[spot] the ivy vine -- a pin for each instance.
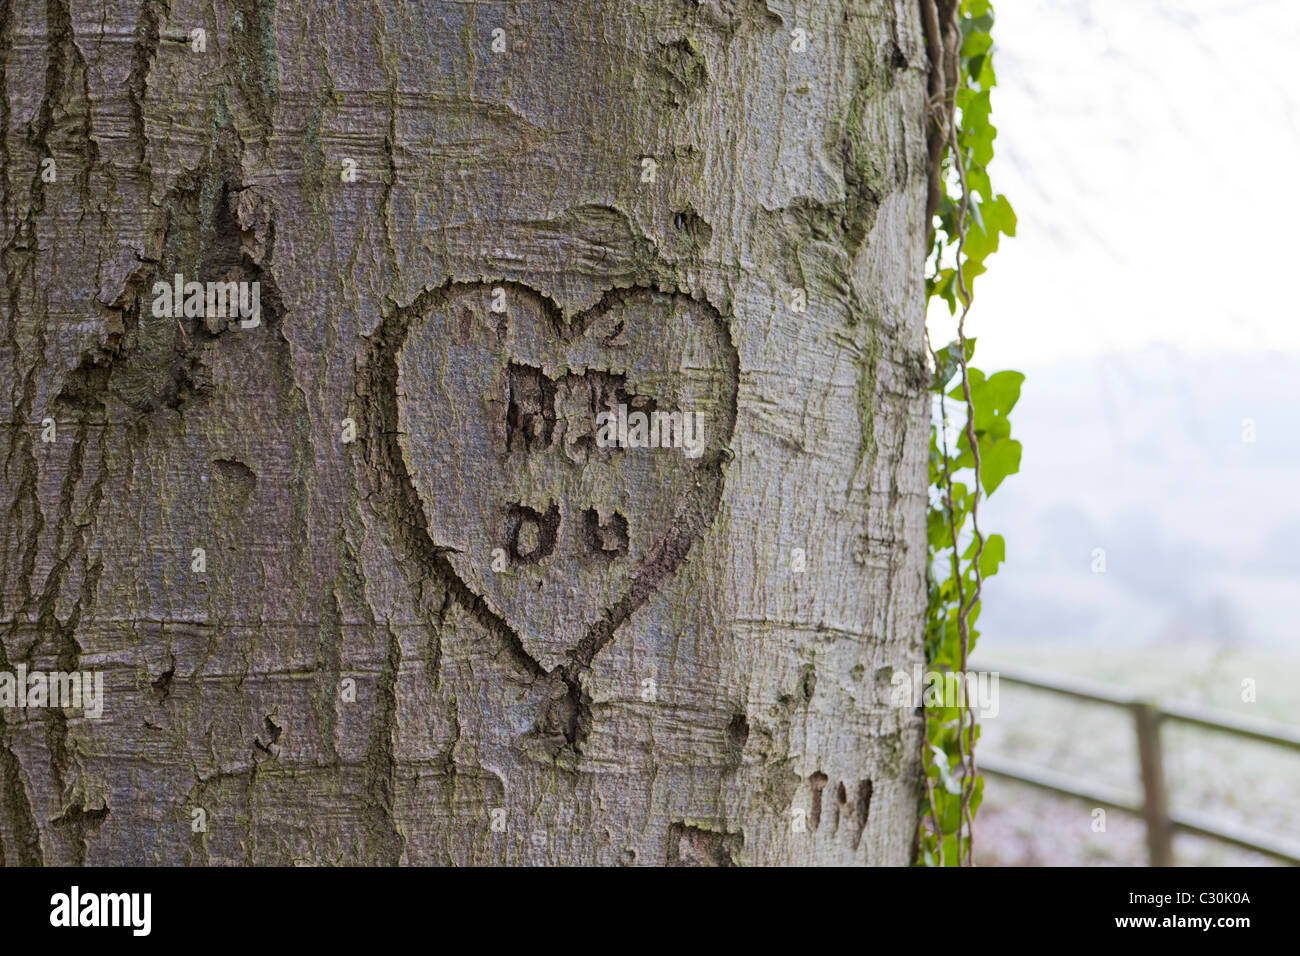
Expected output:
(967, 220)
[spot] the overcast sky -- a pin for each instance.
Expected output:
(1151, 150)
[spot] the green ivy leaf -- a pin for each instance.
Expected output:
(995, 552)
(998, 460)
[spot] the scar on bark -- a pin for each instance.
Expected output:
(80, 823)
(226, 231)
(688, 524)
(817, 782)
(736, 737)
(690, 845)
(378, 415)
(162, 687)
(273, 733)
(682, 72)
(533, 423)
(857, 813)
(531, 533)
(605, 539)
(864, 811)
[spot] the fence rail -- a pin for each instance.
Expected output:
(1161, 822)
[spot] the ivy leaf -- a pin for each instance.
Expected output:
(999, 215)
(936, 528)
(995, 552)
(976, 43)
(1002, 391)
(998, 460)
(950, 362)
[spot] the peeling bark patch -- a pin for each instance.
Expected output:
(730, 16)
(499, 397)
(81, 822)
(683, 71)
(779, 785)
(691, 235)
(695, 846)
(235, 478)
(563, 721)
(24, 847)
(213, 229)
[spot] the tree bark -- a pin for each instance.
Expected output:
(434, 622)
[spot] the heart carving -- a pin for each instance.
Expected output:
(523, 437)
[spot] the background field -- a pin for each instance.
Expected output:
(1243, 782)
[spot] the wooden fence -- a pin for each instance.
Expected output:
(1161, 822)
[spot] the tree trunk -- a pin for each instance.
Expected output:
(362, 580)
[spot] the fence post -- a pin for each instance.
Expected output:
(1155, 802)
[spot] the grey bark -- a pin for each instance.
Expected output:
(651, 678)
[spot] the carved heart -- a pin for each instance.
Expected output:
(497, 400)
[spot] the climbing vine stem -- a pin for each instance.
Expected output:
(966, 221)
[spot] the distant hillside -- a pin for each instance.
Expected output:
(1142, 454)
